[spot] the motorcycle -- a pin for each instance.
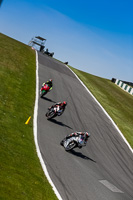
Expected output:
(53, 112)
(44, 90)
(73, 142)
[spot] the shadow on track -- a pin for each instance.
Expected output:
(78, 154)
(47, 99)
(59, 123)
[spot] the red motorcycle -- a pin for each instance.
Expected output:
(44, 90)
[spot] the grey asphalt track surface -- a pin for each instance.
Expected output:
(103, 170)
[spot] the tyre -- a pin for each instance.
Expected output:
(50, 114)
(71, 146)
(62, 142)
(42, 93)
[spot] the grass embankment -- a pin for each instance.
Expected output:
(118, 103)
(21, 175)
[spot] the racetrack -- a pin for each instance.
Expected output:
(104, 168)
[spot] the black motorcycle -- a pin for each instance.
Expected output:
(53, 112)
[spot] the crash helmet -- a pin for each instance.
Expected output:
(87, 135)
(64, 103)
(50, 80)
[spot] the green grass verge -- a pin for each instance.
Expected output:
(21, 175)
(117, 103)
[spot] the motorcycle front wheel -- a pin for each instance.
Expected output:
(50, 114)
(42, 93)
(71, 146)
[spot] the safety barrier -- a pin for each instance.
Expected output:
(124, 86)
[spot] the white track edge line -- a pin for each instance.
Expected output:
(104, 111)
(35, 134)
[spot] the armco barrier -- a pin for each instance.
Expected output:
(124, 86)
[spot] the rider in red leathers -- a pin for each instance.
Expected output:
(49, 83)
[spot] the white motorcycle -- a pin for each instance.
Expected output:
(73, 142)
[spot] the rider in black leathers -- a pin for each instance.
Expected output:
(60, 107)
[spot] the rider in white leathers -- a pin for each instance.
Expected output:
(80, 137)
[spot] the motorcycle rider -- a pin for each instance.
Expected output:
(85, 136)
(60, 107)
(49, 83)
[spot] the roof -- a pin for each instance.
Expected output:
(40, 38)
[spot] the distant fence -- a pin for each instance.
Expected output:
(123, 85)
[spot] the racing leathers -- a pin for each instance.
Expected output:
(49, 83)
(83, 138)
(59, 108)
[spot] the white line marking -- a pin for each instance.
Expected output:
(35, 134)
(104, 111)
(110, 186)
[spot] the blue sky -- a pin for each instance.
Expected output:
(93, 36)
